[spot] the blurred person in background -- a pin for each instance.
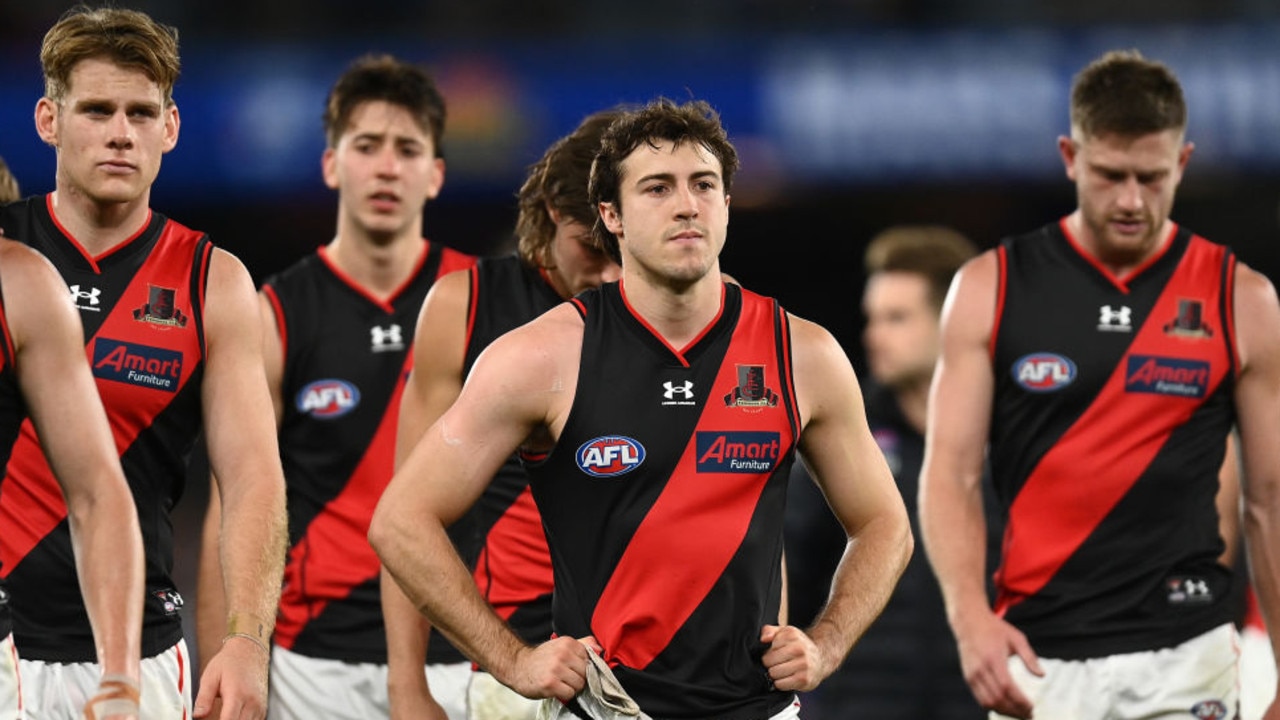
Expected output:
(173, 338)
(9, 190)
(906, 665)
(557, 257)
(1105, 359)
(336, 363)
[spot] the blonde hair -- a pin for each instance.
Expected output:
(128, 38)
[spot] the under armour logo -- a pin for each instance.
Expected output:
(386, 339)
(1115, 319)
(85, 299)
(1196, 587)
(1183, 590)
(685, 390)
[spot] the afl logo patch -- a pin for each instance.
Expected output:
(610, 456)
(328, 399)
(1044, 372)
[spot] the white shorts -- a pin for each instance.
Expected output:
(58, 691)
(11, 688)
(1200, 677)
(488, 699)
(1257, 673)
(306, 688)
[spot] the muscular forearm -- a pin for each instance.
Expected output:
(953, 526)
(251, 546)
(423, 561)
(407, 637)
(109, 564)
(873, 561)
(1262, 528)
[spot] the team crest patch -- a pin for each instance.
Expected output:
(751, 390)
(1190, 321)
(160, 308)
(610, 456)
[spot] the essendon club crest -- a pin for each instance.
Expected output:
(751, 391)
(160, 308)
(1190, 321)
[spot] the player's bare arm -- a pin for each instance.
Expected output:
(523, 382)
(432, 387)
(845, 461)
(211, 605)
(951, 514)
(1257, 397)
(243, 455)
(59, 391)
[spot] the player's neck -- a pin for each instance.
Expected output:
(381, 268)
(913, 403)
(679, 315)
(98, 226)
(1121, 265)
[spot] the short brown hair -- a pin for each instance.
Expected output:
(559, 180)
(1125, 94)
(386, 78)
(128, 38)
(934, 251)
(661, 120)
(9, 190)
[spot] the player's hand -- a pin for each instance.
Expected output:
(236, 676)
(414, 704)
(986, 642)
(793, 659)
(117, 699)
(557, 668)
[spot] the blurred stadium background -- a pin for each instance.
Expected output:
(850, 115)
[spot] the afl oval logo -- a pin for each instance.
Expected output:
(1044, 372)
(610, 456)
(328, 399)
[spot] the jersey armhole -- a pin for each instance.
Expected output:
(1228, 310)
(277, 309)
(199, 286)
(1002, 261)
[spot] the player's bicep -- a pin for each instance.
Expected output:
(53, 373)
(439, 352)
(961, 394)
(506, 397)
(273, 351)
(836, 441)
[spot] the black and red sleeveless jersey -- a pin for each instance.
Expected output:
(346, 357)
(1113, 400)
(12, 412)
(663, 503)
(513, 567)
(141, 304)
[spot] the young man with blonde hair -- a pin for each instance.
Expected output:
(172, 335)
